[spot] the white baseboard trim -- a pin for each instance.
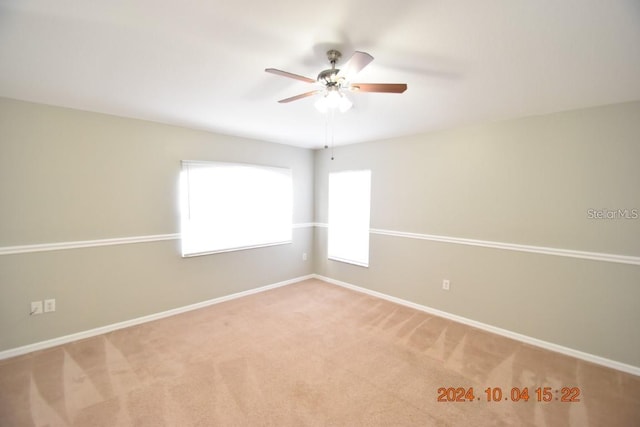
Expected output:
(634, 370)
(139, 320)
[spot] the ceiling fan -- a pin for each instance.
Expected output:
(334, 82)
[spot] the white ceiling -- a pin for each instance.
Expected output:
(201, 63)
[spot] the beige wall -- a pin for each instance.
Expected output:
(68, 175)
(529, 181)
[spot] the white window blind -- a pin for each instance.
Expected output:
(349, 210)
(233, 206)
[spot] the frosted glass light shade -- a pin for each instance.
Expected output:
(331, 100)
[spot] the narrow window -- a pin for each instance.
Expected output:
(232, 206)
(349, 206)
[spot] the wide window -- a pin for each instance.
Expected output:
(349, 206)
(233, 206)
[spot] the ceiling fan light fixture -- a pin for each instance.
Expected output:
(333, 99)
(321, 105)
(345, 103)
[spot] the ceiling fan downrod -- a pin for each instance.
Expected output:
(333, 56)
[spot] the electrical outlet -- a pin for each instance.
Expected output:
(36, 308)
(304, 256)
(49, 305)
(445, 284)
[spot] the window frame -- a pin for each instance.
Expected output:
(363, 231)
(189, 228)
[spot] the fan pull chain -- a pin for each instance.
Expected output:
(333, 130)
(329, 127)
(326, 131)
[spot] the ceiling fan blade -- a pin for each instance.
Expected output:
(290, 75)
(302, 95)
(355, 64)
(379, 87)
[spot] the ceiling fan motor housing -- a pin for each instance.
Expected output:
(329, 77)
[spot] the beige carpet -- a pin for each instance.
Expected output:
(309, 354)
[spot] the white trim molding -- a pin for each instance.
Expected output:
(634, 370)
(303, 225)
(571, 253)
(139, 320)
(58, 246)
(594, 256)
(44, 247)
